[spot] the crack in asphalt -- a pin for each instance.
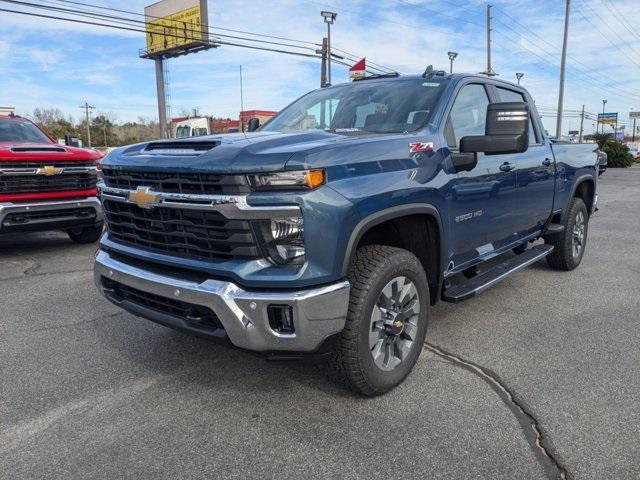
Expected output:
(529, 424)
(29, 272)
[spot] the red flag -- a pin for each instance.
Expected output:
(358, 70)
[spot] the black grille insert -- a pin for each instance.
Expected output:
(197, 314)
(41, 183)
(21, 218)
(174, 182)
(200, 234)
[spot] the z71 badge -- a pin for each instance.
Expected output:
(418, 147)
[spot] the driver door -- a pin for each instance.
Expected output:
(481, 201)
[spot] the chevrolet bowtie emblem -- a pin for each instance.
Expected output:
(49, 170)
(144, 197)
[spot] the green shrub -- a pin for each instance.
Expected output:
(618, 154)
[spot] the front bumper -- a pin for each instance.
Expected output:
(50, 215)
(318, 313)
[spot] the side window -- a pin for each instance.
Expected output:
(469, 113)
(507, 95)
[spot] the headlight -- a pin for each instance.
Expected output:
(299, 179)
(281, 239)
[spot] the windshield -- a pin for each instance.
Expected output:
(21, 131)
(364, 106)
(183, 131)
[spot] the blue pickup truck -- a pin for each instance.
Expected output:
(334, 227)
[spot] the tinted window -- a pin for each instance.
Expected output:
(469, 112)
(392, 106)
(21, 131)
(511, 96)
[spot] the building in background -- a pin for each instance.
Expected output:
(263, 115)
(197, 126)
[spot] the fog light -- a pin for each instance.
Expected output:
(281, 318)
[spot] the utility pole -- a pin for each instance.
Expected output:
(87, 109)
(104, 126)
(581, 124)
(329, 19)
(633, 132)
(323, 65)
(241, 102)
(162, 103)
(489, 72)
(563, 64)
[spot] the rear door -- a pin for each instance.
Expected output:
(481, 200)
(535, 171)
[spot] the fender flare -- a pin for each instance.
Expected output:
(386, 214)
(579, 181)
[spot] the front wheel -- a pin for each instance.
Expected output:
(569, 246)
(86, 234)
(386, 322)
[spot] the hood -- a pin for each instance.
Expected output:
(16, 151)
(251, 152)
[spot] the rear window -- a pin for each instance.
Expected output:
(21, 131)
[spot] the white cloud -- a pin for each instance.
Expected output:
(60, 64)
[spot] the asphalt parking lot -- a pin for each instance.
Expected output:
(88, 391)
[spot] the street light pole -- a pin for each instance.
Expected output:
(563, 63)
(452, 57)
(519, 76)
(329, 19)
(604, 102)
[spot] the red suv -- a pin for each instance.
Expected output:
(46, 186)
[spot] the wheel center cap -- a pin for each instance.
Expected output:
(394, 324)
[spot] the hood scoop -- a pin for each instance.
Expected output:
(38, 149)
(180, 148)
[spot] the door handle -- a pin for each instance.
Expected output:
(506, 167)
(546, 162)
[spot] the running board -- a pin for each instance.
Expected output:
(478, 284)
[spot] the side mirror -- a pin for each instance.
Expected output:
(507, 131)
(253, 124)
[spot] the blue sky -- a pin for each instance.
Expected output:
(46, 63)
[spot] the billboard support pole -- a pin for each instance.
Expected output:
(633, 133)
(162, 105)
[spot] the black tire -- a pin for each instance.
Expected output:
(563, 256)
(86, 234)
(352, 362)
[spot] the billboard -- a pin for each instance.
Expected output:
(175, 25)
(608, 118)
(634, 115)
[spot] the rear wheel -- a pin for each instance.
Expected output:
(569, 246)
(86, 234)
(386, 322)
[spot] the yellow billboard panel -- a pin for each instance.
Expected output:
(175, 25)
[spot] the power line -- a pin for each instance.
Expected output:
(131, 29)
(589, 78)
(604, 21)
(613, 44)
(613, 9)
(213, 30)
(605, 86)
